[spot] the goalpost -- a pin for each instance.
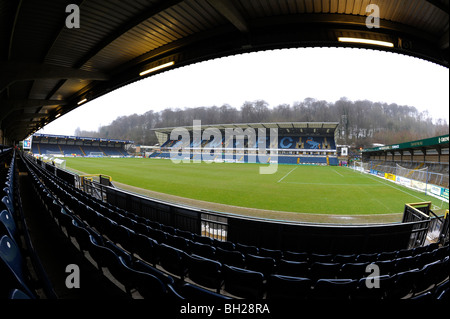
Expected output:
(96, 154)
(358, 166)
(417, 174)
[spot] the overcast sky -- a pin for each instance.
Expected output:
(279, 76)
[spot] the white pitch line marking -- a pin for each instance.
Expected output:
(287, 174)
(338, 173)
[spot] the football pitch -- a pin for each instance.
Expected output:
(293, 188)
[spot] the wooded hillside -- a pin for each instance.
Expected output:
(362, 122)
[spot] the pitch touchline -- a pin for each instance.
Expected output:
(330, 184)
(387, 184)
(287, 174)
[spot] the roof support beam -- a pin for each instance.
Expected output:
(226, 8)
(14, 72)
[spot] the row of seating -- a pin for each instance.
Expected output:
(18, 279)
(156, 246)
(131, 272)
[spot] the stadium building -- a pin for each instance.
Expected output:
(286, 143)
(70, 146)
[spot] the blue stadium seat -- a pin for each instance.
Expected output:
(142, 266)
(146, 248)
(265, 265)
(293, 268)
(404, 284)
(148, 285)
(287, 287)
(320, 270)
(8, 221)
(230, 257)
(173, 260)
(13, 266)
(204, 272)
(203, 250)
(353, 270)
(193, 292)
(334, 289)
(295, 256)
(243, 283)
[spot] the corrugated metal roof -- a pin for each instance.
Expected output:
(41, 57)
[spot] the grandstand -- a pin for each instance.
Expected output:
(426, 162)
(69, 146)
(297, 143)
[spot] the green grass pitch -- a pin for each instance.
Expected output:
(293, 188)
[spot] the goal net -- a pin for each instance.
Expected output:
(359, 166)
(96, 154)
(417, 174)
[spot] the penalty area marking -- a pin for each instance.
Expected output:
(287, 174)
(338, 173)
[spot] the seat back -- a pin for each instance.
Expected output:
(204, 271)
(13, 264)
(243, 282)
(288, 287)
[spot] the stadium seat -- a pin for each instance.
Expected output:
(362, 258)
(8, 221)
(193, 292)
(230, 257)
(227, 245)
(343, 259)
(287, 287)
(13, 268)
(387, 267)
(203, 240)
(353, 270)
(273, 253)
(405, 264)
(388, 255)
(173, 260)
(81, 235)
(7, 203)
(335, 289)
(404, 284)
(265, 265)
(243, 283)
(431, 275)
(142, 266)
(292, 268)
(424, 258)
(203, 250)
(179, 242)
(324, 270)
(148, 285)
(322, 258)
(295, 256)
(17, 294)
(185, 234)
(247, 249)
(204, 272)
(369, 292)
(146, 248)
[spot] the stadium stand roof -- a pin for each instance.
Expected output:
(48, 69)
(438, 142)
(38, 137)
